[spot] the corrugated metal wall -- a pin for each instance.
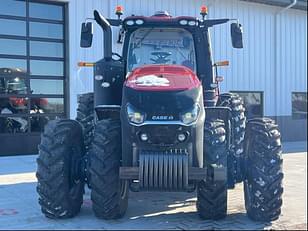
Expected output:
(273, 60)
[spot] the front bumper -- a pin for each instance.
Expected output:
(161, 171)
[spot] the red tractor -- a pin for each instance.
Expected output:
(157, 122)
(13, 86)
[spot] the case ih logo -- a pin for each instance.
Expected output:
(162, 117)
(151, 80)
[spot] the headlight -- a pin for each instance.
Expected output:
(134, 116)
(191, 115)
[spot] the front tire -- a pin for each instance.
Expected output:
(60, 183)
(212, 195)
(263, 184)
(109, 194)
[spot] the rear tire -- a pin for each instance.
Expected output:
(263, 184)
(85, 116)
(238, 124)
(60, 185)
(109, 194)
(211, 194)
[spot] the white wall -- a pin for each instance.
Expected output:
(252, 68)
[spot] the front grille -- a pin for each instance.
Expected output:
(162, 135)
(163, 171)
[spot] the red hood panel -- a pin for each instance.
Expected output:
(162, 78)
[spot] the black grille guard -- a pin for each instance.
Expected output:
(165, 171)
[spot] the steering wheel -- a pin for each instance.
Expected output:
(119, 57)
(161, 57)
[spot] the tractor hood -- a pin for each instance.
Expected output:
(162, 90)
(162, 78)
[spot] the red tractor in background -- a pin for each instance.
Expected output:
(157, 122)
(14, 88)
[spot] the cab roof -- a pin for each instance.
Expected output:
(160, 18)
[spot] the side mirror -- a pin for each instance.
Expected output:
(86, 34)
(237, 35)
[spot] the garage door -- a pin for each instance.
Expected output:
(32, 72)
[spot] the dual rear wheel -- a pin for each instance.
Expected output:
(262, 174)
(263, 182)
(253, 157)
(60, 182)
(67, 148)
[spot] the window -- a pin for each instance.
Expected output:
(46, 49)
(12, 27)
(51, 68)
(13, 47)
(12, 63)
(46, 30)
(38, 10)
(299, 105)
(253, 103)
(165, 46)
(46, 86)
(13, 8)
(32, 65)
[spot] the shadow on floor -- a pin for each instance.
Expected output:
(152, 208)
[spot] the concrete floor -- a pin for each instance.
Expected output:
(19, 208)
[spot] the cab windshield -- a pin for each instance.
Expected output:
(161, 46)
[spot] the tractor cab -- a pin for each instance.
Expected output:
(159, 39)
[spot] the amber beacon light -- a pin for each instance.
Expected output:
(119, 11)
(204, 11)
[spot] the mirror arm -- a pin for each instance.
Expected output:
(235, 20)
(213, 22)
(112, 22)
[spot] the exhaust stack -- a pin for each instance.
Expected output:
(105, 25)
